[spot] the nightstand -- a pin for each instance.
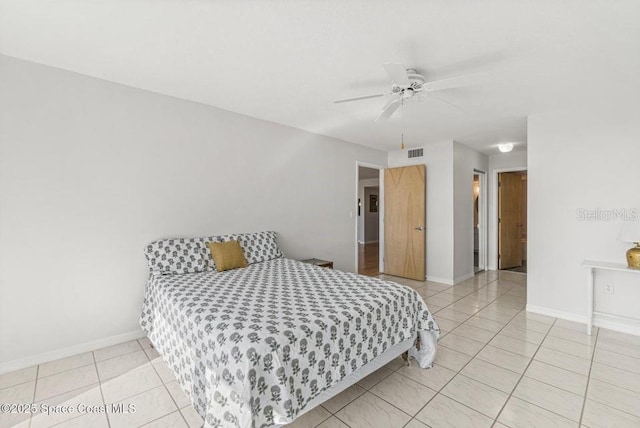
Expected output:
(318, 262)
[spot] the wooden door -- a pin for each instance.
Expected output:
(404, 221)
(509, 220)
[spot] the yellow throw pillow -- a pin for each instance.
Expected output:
(227, 255)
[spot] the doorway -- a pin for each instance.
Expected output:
(368, 230)
(512, 221)
(479, 222)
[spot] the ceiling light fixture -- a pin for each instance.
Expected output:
(506, 147)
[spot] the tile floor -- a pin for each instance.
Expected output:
(497, 366)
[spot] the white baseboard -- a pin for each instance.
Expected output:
(614, 323)
(582, 319)
(462, 278)
(446, 281)
(368, 242)
(45, 357)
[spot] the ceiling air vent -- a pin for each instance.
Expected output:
(415, 153)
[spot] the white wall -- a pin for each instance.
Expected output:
(580, 160)
(438, 159)
(516, 160)
(465, 162)
(361, 219)
(91, 171)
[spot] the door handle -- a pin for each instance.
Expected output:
(420, 228)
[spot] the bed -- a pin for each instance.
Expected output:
(262, 345)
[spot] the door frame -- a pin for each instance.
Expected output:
(493, 217)
(483, 249)
(380, 169)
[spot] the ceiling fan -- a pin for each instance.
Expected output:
(405, 83)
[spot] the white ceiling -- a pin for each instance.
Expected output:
(285, 61)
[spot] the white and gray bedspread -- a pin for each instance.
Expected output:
(252, 346)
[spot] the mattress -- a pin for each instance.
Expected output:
(259, 346)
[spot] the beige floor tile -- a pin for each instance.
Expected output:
(60, 383)
(443, 412)
(64, 364)
(564, 361)
(407, 395)
(172, 420)
(617, 360)
(461, 344)
(458, 291)
(514, 345)
(145, 342)
(131, 383)
(550, 398)
(560, 378)
(580, 337)
(466, 307)
(614, 396)
(452, 315)
(310, 419)
(445, 325)
(151, 353)
(89, 396)
(523, 334)
(478, 396)
(505, 359)
(345, 397)
(617, 336)
(530, 324)
(542, 319)
(435, 378)
(17, 377)
(619, 347)
(14, 420)
(18, 394)
(194, 420)
(116, 350)
(333, 422)
(521, 414)
(492, 375)
(451, 359)
(474, 333)
(93, 420)
(181, 399)
(117, 366)
(395, 364)
(598, 415)
(618, 377)
(369, 411)
(375, 377)
(484, 324)
(568, 347)
(163, 371)
(149, 406)
(441, 299)
(414, 423)
(571, 325)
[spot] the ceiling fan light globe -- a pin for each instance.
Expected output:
(505, 147)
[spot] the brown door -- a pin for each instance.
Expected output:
(509, 220)
(404, 221)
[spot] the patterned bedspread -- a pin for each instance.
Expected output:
(252, 346)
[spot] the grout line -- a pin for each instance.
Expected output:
(471, 359)
(35, 388)
(586, 390)
(522, 376)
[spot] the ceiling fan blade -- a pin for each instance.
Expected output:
(390, 108)
(365, 97)
(453, 82)
(442, 100)
(397, 73)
